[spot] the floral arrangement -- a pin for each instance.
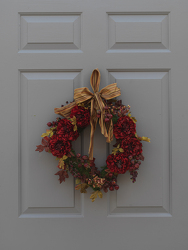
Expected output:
(114, 119)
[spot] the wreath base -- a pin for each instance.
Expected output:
(114, 119)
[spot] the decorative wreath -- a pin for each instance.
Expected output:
(114, 119)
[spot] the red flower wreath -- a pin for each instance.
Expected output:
(125, 157)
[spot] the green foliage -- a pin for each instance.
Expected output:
(103, 172)
(80, 130)
(114, 119)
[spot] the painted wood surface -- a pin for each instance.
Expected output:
(49, 48)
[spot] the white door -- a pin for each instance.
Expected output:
(49, 48)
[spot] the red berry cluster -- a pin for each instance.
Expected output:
(111, 183)
(112, 109)
(54, 123)
(83, 161)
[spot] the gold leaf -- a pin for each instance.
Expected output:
(78, 187)
(114, 151)
(77, 181)
(53, 128)
(93, 196)
(134, 119)
(49, 132)
(100, 194)
(61, 162)
(64, 157)
(44, 134)
(145, 139)
(129, 114)
(73, 121)
(121, 150)
(82, 187)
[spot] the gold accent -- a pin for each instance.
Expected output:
(73, 120)
(115, 150)
(94, 195)
(49, 132)
(145, 139)
(134, 119)
(77, 181)
(61, 163)
(82, 187)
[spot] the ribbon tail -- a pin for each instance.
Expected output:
(100, 104)
(110, 133)
(93, 127)
(93, 123)
(103, 126)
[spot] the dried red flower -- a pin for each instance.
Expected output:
(59, 146)
(131, 146)
(66, 129)
(82, 116)
(124, 127)
(118, 163)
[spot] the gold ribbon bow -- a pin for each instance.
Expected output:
(84, 95)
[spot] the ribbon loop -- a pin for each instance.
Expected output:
(84, 95)
(95, 80)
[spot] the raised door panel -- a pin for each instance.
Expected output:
(138, 32)
(50, 32)
(40, 191)
(150, 194)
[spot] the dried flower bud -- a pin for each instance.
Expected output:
(49, 124)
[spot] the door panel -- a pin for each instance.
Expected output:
(138, 32)
(41, 89)
(49, 48)
(60, 32)
(137, 87)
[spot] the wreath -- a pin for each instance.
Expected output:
(114, 119)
